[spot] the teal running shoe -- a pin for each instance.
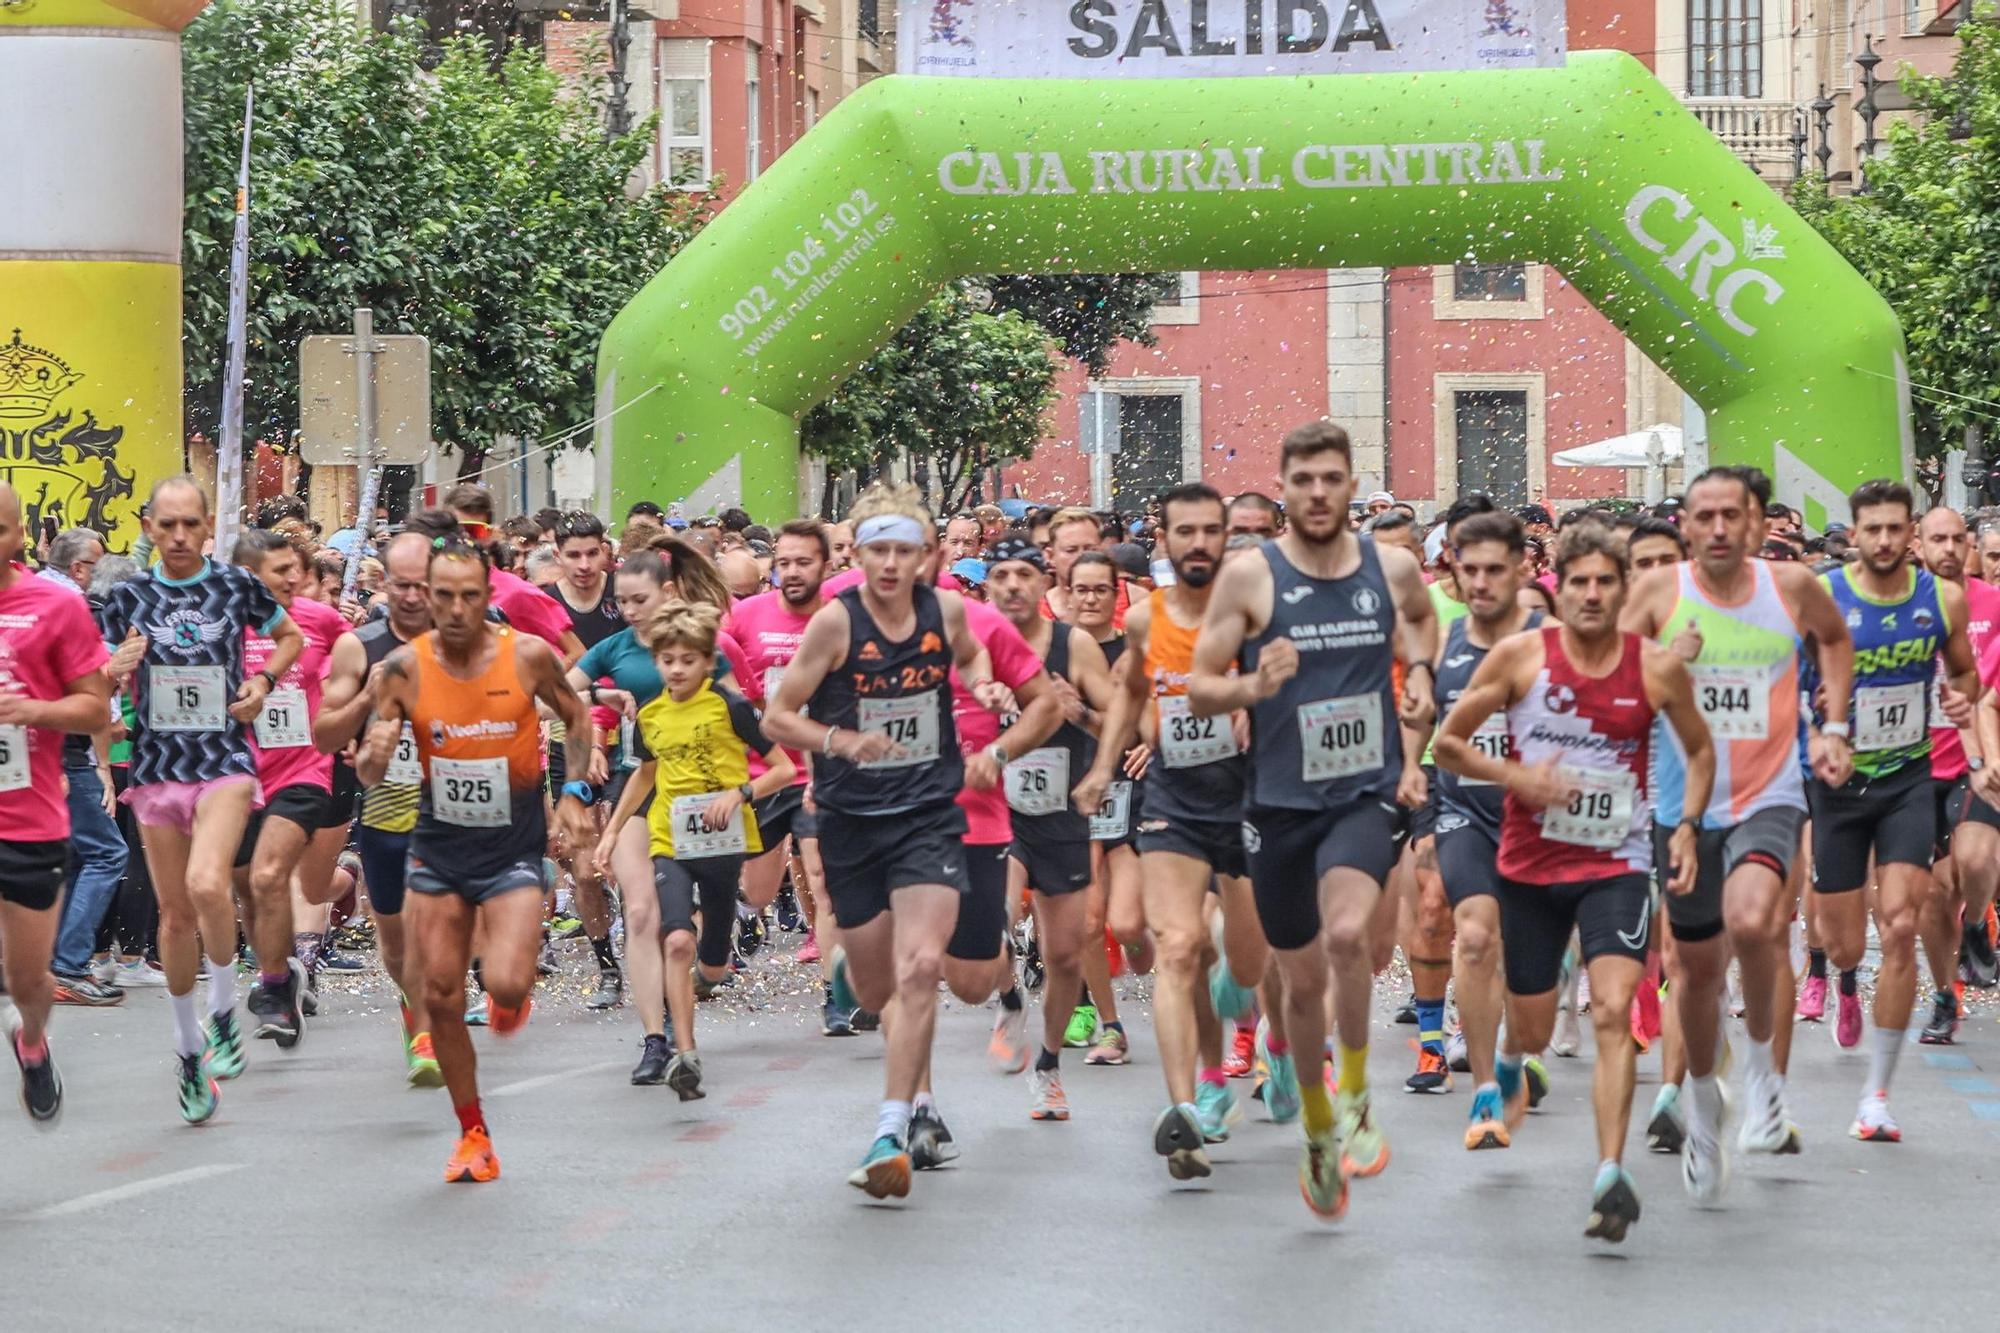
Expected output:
(1230, 999)
(224, 1055)
(199, 1095)
(1281, 1082)
(844, 997)
(1217, 1111)
(884, 1171)
(1488, 1128)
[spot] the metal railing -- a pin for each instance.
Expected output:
(1765, 134)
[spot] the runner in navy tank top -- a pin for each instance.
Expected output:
(1576, 847)
(868, 697)
(1318, 619)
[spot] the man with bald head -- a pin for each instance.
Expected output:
(740, 573)
(178, 630)
(389, 808)
(1952, 919)
(52, 682)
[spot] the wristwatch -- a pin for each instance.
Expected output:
(583, 791)
(1839, 729)
(744, 792)
(997, 753)
(270, 681)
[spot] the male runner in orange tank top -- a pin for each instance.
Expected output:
(469, 689)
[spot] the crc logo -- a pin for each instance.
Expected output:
(1705, 261)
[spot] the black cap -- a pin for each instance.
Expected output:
(1130, 558)
(1015, 548)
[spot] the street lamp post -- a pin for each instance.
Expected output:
(1822, 109)
(1798, 143)
(1867, 60)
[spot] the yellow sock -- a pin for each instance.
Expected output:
(1316, 1107)
(1353, 1070)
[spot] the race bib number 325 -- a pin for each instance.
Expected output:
(471, 793)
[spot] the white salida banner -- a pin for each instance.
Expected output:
(1086, 39)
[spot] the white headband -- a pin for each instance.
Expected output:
(889, 528)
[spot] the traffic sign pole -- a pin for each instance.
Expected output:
(364, 443)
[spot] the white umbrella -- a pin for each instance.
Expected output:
(1652, 448)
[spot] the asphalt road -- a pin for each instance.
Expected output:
(314, 1200)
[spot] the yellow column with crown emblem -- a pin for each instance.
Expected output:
(90, 245)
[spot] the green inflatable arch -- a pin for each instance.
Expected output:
(1594, 168)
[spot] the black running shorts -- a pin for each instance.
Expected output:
(1773, 834)
(1214, 842)
(1894, 817)
(1610, 916)
(869, 857)
(31, 873)
(982, 912)
(715, 879)
(1282, 844)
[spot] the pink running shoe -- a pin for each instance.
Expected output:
(1812, 1000)
(1847, 1029)
(809, 951)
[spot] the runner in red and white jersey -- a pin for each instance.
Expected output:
(1952, 920)
(1575, 839)
(51, 681)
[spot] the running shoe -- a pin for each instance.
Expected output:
(866, 1020)
(85, 991)
(1049, 1101)
(103, 971)
(1488, 1129)
(1766, 1128)
(808, 953)
(1977, 961)
(842, 992)
(1513, 1084)
(930, 1141)
(200, 1094)
(1365, 1151)
(1873, 1123)
(565, 927)
(277, 1008)
(1455, 1053)
(1240, 1058)
(1666, 1129)
(1111, 1049)
(422, 1057)
(835, 1021)
(884, 1170)
(651, 1070)
(1943, 1027)
(1406, 1014)
(1568, 1037)
(1705, 1156)
(1433, 1074)
(41, 1085)
(1323, 1176)
(472, 1161)
(704, 989)
(1281, 1084)
(504, 1021)
(1082, 1028)
(224, 1055)
(1007, 1050)
(546, 961)
(1812, 1000)
(1177, 1137)
(329, 961)
(1847, 1026)
(1229, 998)
(475, 1012)
(138, 972)
(684, 1075)
(785, 911)
(1217, 1111)
(609, 992)
(1536, 1076)
(1614, 1206)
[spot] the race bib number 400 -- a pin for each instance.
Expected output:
(1887, 717)
(1734, 701)
(1187, 741)
(185, 698)
(912, 723)
(1340, 737)
(14, 758)
(283, 725)
(1038, 782)
(471, 793)
(693, 838)
(1599, 815)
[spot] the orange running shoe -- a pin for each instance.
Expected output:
(473, 1160)
(1242, 1053)
(506, 1022)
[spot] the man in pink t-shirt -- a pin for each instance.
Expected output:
(299, 832)
(51, 682)
(1952, 920)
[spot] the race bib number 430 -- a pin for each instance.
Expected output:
(693, 838)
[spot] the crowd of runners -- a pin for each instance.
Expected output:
(1250, 746)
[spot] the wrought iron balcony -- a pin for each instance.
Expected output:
(1768, 135)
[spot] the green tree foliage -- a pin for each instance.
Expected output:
(1088, 313)
(955, 391)
(1927, 235)
(481, 207)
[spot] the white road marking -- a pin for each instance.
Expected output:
(119, 1193)
(543, 1080)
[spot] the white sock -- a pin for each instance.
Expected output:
(1886, 1046)
(1759, 1058)
(222, 985)
(187, 1028)
(893, 1121)
(924, 1102)
(1704, 1103)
